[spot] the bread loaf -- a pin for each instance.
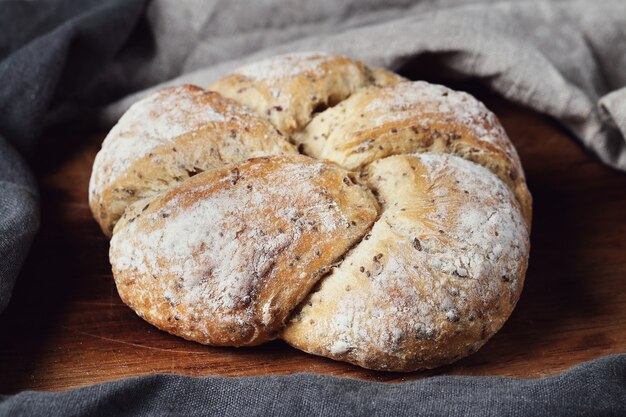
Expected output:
(397, 240)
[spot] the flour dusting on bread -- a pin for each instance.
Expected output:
(398, 102)
(158, 119)
(227, 245)
(440, 270)
(285, 66)
(399, 242)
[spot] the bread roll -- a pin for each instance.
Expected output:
(399, 242)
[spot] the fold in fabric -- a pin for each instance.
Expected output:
(50, 57)
(19, 217)
(559, 58)
(591, 389)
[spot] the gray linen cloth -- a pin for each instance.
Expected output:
(595, 388)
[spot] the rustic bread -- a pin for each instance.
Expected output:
(399, 242)
(169, 137)
(224, 257)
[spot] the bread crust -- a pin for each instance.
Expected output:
(168, 137)
(224, 257)
(402, 245)
(438, 275)
(414, 117)
(287, 90)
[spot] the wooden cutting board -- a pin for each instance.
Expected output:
(66, 326)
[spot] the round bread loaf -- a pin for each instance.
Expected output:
(399, 240)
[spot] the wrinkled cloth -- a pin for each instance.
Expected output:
(593, 389)
(19, 216)
(50, 57)
(62, 61)
(566, 59)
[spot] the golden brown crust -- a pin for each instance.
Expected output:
(289, 89)
(437, 276)
(414, 117)
(227, 256)
(169, 137)
(224, 257)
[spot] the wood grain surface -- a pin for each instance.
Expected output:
(66, 326)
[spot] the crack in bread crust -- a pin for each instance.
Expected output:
(287, 90)
(436, 276)
(224, 257)
(166, 138)
(408, 117)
